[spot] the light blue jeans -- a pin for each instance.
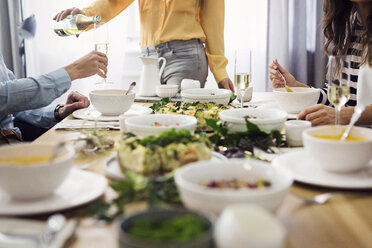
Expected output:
(185, 59)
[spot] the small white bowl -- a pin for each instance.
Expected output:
(151, 125)
(197, 197)
(336, 156)
(248, 225)
(296, 101)
(167, 90)
(219, 96)
(112, 102)
(34, 180)
(266, 119)
(293, 131)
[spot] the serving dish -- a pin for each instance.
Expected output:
(150, 125)
(204, 95)
(265, 118)
(190, 178)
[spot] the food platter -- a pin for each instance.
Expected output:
(113, 171)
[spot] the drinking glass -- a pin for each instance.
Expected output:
(242, 73)
(338, 83)
(101, 43)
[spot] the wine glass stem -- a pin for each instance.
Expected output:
(241, 98)
(337, 117)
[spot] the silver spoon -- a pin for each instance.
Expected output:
(357, 112)
(131, 87)
(57, 150)
(324, 197)
(55, 223)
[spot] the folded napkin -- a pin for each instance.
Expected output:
(34, 229)
(84, 124)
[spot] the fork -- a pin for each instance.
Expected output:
(324, 197)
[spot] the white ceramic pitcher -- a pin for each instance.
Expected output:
(150, 75)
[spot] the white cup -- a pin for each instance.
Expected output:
(247, 94)
(189, 84)
(293, 131)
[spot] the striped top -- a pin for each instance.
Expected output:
(354, 57)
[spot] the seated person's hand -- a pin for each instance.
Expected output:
(318, 115)
(226, 84)
(75, 101)
(277, 80)
(62, 15)
(89, 65)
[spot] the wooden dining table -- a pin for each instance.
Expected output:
(344, 221)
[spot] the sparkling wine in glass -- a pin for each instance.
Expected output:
(101, 39)
(338, 83)
(242, 73)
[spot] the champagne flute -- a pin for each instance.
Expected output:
(101, 39)
(338, 83)
(242, 73)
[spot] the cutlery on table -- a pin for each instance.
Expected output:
(131, 87)
(55, 223)
(324, 197)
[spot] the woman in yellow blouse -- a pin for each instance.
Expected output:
(176, 30)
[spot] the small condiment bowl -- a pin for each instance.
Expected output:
(112, 102)
(167, 90)
(293, 131)
(334, 155)
(191, 180)
(34, 179)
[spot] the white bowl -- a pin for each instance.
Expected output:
(219, 96)
(145, 125)
(267, 119)
(112, 102)
(33, 180)
(248, 225)
(197, 197)
(247, 94)
(336, 156)
(296, 101)
(167, 90)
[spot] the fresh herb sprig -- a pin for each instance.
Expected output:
(158, 191)
(247, 140)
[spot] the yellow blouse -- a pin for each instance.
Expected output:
(167, 20)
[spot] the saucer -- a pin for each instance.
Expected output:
(80, 187)
(91, 114)
(113, 171)
(301, 166)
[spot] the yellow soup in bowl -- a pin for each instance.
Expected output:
(338, 137)
(25, 160)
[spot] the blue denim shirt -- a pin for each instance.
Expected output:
(24, 98)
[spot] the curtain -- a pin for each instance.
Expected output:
(295, 39)
(9, 39)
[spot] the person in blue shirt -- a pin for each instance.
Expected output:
(27, 99)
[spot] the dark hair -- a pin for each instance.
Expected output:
(338, 28)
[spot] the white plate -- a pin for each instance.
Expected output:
(303, 169)
(80, 187)
(91, 114)
(113, 171)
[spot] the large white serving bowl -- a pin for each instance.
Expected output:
(197, 197)
(266, 119)
(144, 125)
(296, 101)
(34, 180)
(219, 96)
(112, 102)
(336, 156)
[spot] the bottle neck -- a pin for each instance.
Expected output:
(83, 22)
